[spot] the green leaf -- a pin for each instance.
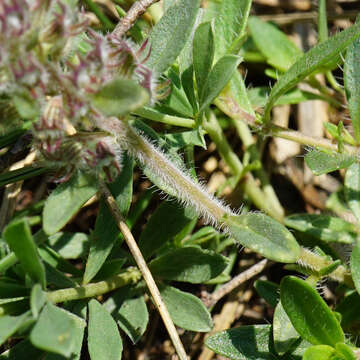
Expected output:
(130, 312)
(9, 325)
(218, 77)
(352, 188)
(285, 335)
(203, 53)
(106, 230)
(170, 34)
(264, 235)
(308, 312)
(120, 97)
(104, 341)
(165, 223)
(345, 352)
(66, 200)
(78, 336)
(314, 59)
(268, 290)
(319, 352)
(70, 245)
(243, 343)
(18, 235)
(321, 162)
(279, 51)
(189, 264)
(352, 85)
(54, 331)
(37, 300)
(26, 106)
(186, 310)
(355, 265)
(324, 227)
(176, 103)
(187, 82)
(24, 173)
(230, 25)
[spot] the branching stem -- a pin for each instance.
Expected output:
(131, 276)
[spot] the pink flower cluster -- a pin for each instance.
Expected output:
(43, 61)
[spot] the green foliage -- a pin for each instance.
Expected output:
(186, 310)
(278, 50)
(309, 314)
(65, 201)
(19, 238)
(321, 162)
(352, 87)
(265, 236)
(246, 342)
(104, 341)
(189, 264)
(312, 61)
(84, 111)
(169, 36)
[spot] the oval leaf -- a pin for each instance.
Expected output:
(186, 310)
(18, 235)
(170, 34)
(55, 331)
(308, 312)
(279, 50)
(352, 188)
(243, 343)
(66, 200)
(264, 235)
(352, 84)
(189, 264)
(311, 61)
(120, 97)
(104, 341)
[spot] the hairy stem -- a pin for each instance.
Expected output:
(187, 191)
(140, 261)
(130, 276)
(317, 262)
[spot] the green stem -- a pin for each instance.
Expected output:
(130, 276)
(229, 106)
(100, 15)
